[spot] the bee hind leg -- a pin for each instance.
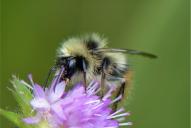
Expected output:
(121, 92)
(124, 89)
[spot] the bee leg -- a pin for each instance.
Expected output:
(84, 80)
(53, 68)
(84, 73)
(121, 92)
(102, 87)
(103, 76)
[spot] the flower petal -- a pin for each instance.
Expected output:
(59, 89)
(38, 91)
(58, 110)
(77, 91)
(54, 95)
(40, 103)
(32, 120)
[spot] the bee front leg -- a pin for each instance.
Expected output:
(84, 80)
(52, 69)
(84, 73)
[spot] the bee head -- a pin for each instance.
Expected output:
(69, 64)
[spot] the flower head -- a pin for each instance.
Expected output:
(75, 108)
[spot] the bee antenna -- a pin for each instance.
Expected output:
(49, 74)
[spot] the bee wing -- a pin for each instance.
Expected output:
(128, 51)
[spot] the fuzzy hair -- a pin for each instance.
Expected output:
(118, 59)
(77, 46)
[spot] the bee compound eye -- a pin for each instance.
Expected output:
(72, 63)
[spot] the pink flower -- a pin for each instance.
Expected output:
(76, 108)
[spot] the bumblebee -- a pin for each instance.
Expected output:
(87, 58)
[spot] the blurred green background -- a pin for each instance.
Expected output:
(31, 30)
